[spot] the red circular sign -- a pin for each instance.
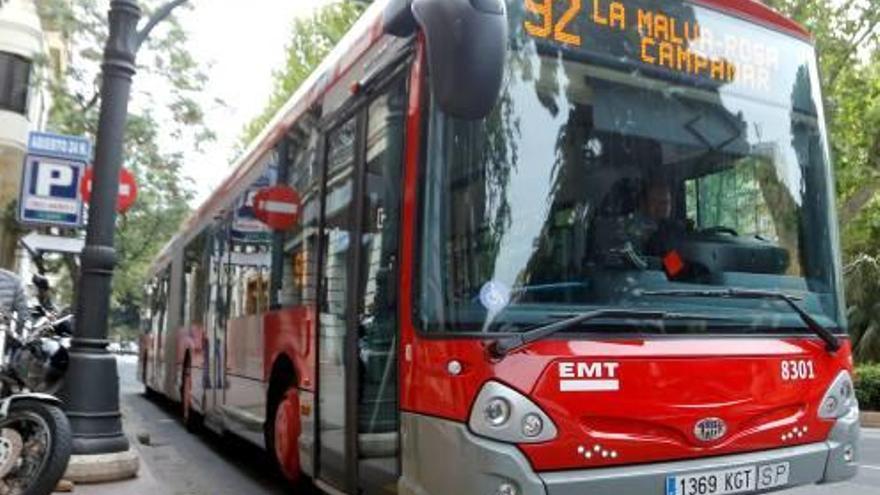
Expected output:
(127, 189)
(278, 207)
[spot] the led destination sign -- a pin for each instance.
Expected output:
(674, 36)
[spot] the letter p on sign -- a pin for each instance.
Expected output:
(51, 175)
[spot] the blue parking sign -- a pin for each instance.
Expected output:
(50, 192)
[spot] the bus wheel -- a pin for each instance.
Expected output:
(283, 434)
(189, 416)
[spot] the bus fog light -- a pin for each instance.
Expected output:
(849, 453)
(506, 489)
(532, 425)
(497, 411)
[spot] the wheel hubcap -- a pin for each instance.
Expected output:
(10, 450)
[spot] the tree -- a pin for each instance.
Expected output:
(862, 287)
(164, 193)
(847, 35)
(312, 38)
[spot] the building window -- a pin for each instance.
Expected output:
(15, 75)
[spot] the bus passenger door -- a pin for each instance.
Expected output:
(377, 327)
(358, 420)
(214, 343)
(334, 306)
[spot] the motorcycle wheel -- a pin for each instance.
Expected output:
(35, 447)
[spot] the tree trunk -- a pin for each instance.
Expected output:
(858, 201)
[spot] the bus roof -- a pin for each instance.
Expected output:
(366, 31)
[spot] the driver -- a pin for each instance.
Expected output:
(661, 229)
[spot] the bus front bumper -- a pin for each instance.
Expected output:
(443, 457)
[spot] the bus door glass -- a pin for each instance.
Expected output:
(160, 323)
(333, 318)
(378, 419)
(213, 374)
(249, 245)
(196, 278)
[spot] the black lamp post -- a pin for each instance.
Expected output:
(92, 385)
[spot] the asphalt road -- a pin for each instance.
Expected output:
(207, 464)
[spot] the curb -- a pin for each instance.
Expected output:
(870, 419)
(103, 467)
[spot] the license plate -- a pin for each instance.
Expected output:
(745, 479)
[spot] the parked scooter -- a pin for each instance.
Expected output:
(35, 436)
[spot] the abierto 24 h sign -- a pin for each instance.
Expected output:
(50, 186)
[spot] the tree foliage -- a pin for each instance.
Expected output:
(163, 191)
(846, 36)
(862, 287)
(311, 40)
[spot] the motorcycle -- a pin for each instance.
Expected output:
(35, 435)
(40, 361)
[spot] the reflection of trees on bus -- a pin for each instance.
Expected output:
(818, 232)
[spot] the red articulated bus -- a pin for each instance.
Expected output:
(531, 247)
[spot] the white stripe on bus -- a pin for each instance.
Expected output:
(589, 385)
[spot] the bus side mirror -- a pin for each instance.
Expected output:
(467, 44)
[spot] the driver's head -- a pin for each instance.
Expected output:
(658, 201)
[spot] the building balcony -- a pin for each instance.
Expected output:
(21, 39)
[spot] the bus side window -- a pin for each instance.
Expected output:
(299, 262)
(195, 271)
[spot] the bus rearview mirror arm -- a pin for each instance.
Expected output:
(466, 43)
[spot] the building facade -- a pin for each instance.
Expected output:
(24, 105)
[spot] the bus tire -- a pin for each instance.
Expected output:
(150, 394)
(191, 419)
(283, 429)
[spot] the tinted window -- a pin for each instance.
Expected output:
(598, 179)
(15, 74)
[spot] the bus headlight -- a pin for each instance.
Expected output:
(839, 399)
(497, 411)
(501, 413)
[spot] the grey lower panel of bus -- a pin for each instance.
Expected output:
(442, 457)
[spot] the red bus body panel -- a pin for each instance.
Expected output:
(291, 334)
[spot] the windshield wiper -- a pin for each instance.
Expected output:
(504, 346)
(832, 343)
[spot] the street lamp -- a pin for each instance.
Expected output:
(92, 385)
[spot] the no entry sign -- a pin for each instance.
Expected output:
(127, 189)
(278, 207)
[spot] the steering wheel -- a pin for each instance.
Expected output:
(720, 230)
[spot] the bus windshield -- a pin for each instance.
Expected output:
(637, 146)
